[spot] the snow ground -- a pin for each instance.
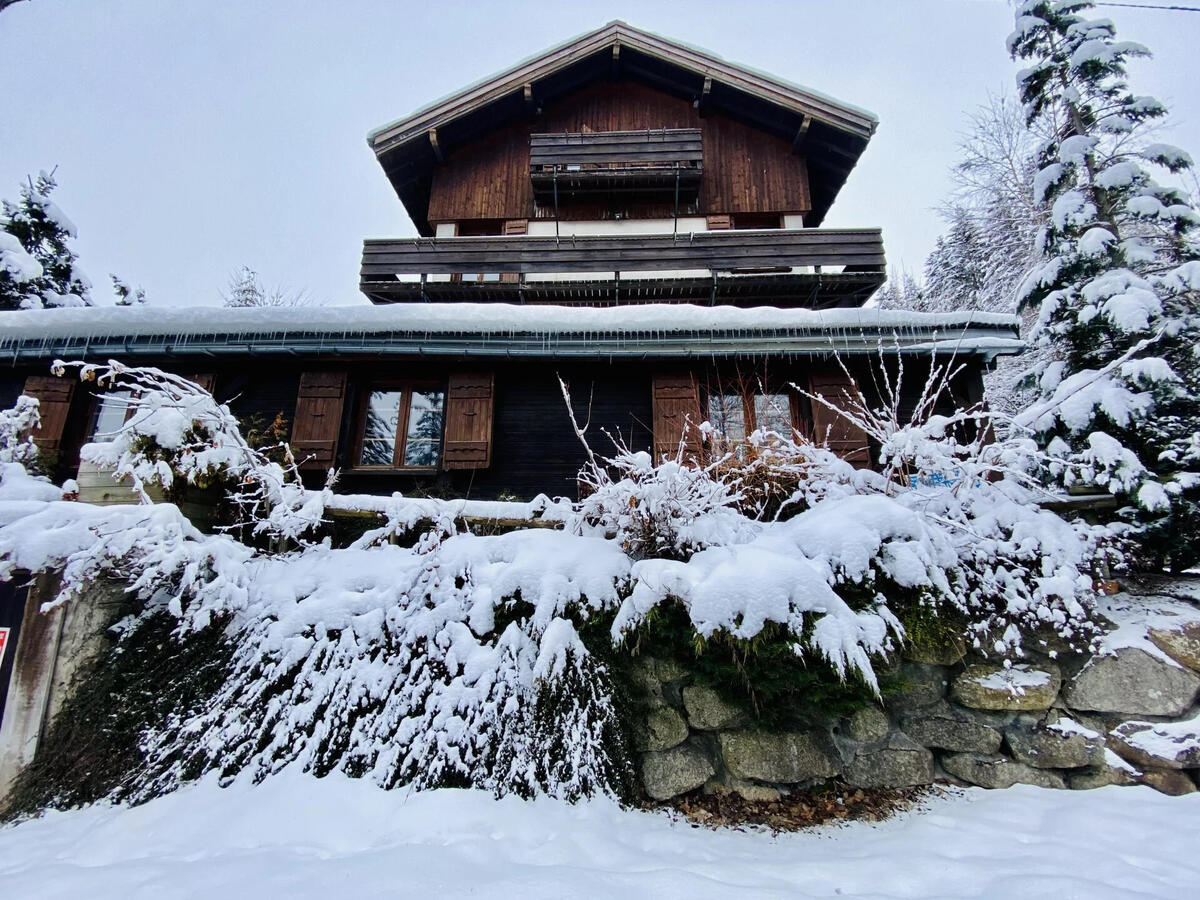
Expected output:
(296, 836)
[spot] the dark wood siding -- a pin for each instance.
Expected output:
(745, 170)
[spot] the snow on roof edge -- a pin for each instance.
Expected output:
(500, 318)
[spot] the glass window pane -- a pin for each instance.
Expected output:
(727, 413)
(110, 416)
(773, 412)
(423, 438)
(379, 433)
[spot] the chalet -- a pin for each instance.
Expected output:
(635, 216)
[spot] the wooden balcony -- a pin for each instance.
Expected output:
(651, 165)
(775, 267)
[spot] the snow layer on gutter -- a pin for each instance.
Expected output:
(495, 318)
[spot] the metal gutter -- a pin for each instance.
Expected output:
(985, 341)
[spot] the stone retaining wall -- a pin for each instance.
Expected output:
(1129, 717)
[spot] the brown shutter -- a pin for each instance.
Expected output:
(514, 227)
(469, 401)
(842, 436)
(318, 419)
(54, 406)
(206, 380)
(676, 408)
(719, 223)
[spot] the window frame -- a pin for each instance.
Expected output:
(90, 431)
(406, 387)
(750, 414)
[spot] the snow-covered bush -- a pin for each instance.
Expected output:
(670, 511)
(16, 432)
(492, 660)
(175, 434)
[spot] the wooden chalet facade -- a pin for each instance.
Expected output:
(629, 214)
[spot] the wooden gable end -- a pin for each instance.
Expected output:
(745, 169)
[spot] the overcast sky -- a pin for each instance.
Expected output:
(194, 137)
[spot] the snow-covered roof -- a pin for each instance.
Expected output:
(498, 329)
(770, 88)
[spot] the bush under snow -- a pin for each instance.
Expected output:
(487, 660)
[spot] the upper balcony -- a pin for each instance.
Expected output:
(650, 165)
(814, 268)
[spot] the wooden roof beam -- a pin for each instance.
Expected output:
(435, 146)
(801, 137)
(616, 61)
(704, 101)
(531, 106)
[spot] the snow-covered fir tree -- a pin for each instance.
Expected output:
(37, 265)
(125, 294)
(246, 290)
(902, 291)
(1117, 295)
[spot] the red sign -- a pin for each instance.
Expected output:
(3, 643)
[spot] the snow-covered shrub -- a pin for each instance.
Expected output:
(175, 434)
(670, 511)
(16, 432)
(780, 476)
(491, 660)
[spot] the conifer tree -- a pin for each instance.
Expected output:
(37, 265)
(1117, 294)
(127, 295)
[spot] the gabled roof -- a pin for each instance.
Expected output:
(832, 134)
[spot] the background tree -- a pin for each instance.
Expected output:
(37, 264)
(1118, 293)
(126, 295)
(246, 289)
(990, 243)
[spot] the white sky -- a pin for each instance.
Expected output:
(194, 136)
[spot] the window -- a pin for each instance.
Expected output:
(402, 426)
(112, 409)
(736, 416)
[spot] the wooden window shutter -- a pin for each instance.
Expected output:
(54, 405)
(676, 403)
(469, 401)
(720, 223)
(514, 227)
(842, 436)
(318, 419)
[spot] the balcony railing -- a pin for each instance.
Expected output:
(780, 267)
(653, 164)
